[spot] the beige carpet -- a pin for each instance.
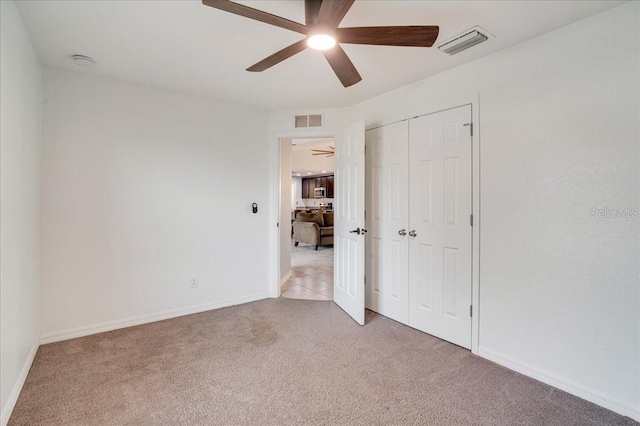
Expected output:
(283, 362)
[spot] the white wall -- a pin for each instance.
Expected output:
(20, 152)
(298, 191)
(144, 189)
(559, 135)
(560, 289)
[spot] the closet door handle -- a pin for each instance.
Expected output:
(402, 232)
(413, 233)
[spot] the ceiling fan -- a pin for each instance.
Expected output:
(322, 33)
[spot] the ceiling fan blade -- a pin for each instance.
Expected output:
(342, 66)
(419, 36)
(332, 11)
(311, 10)
(279, 56)
(258, 15)
(321, 152)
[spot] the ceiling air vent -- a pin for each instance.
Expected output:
(464, 41)
(312, 120)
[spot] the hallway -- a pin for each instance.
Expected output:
(312, 273)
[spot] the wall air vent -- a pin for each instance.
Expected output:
(464, 41)
(311, 120)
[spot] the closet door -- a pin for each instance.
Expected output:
(440, 229)
(387, 288)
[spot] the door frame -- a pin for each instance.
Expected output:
(275, 199)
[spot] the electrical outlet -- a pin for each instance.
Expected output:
(194, 282)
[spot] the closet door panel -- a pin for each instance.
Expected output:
(387, 214)
(440, 209)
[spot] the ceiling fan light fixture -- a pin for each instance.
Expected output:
(323, 32)
(321, 41)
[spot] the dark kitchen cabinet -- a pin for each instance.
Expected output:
(321, 182)
(330, 180)
(308, 186)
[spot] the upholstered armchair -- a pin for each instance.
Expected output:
(315, 229)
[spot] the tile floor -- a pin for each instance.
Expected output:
(312, 273)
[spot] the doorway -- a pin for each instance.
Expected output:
(306, 216)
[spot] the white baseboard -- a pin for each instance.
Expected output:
(17, 388)
(569, 386)
(143, 319)
(286, 277)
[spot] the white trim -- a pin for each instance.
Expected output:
(285, 278)
(17, 388)
(552, 379)
(475, 230)
(143, 319)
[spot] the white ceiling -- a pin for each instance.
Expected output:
(188, 47)
(305, 163)
(302, 144)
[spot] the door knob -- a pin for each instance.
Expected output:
(413, 233)
(355, 231)
(402, 232)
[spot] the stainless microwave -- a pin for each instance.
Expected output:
(320, 192)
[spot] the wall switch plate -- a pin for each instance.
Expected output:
(194, 282)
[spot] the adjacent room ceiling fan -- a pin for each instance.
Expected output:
(330, 152)
(322, 33)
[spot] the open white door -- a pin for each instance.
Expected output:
(348, 235)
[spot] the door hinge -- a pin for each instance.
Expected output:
(470, 310)
(365, 280)
(471, 219)
(470, 128)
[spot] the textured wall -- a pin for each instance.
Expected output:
(559, 287)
